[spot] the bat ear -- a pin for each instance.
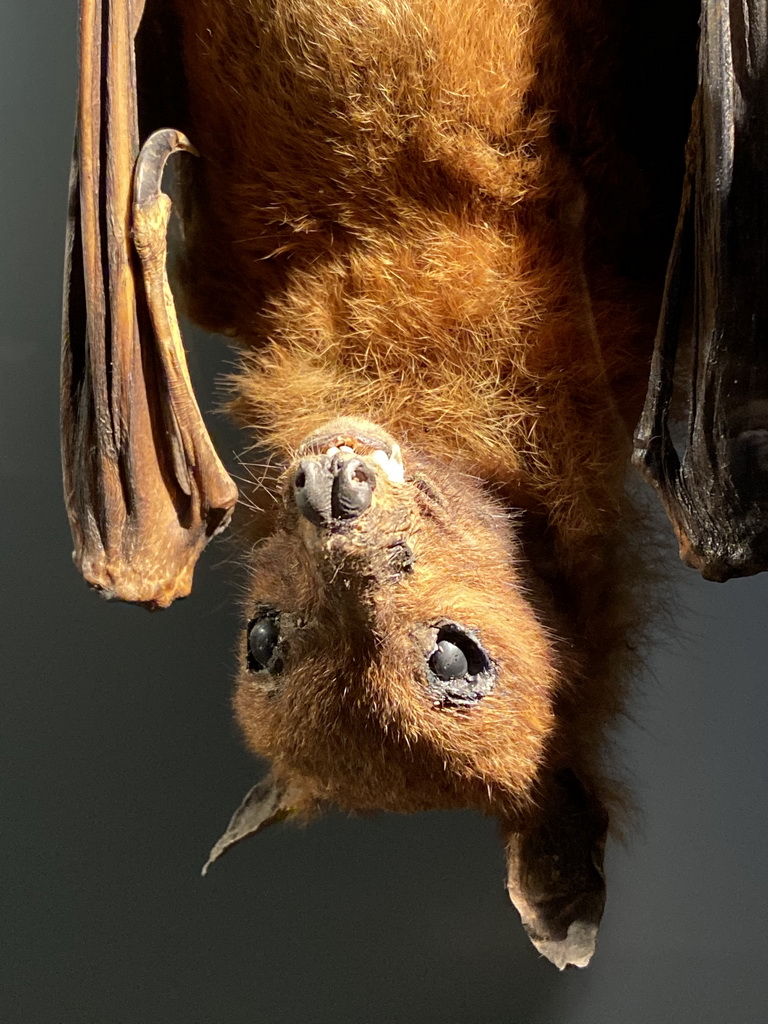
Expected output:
(266, 804)
(555, 872)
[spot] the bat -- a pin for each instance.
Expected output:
(439, 236)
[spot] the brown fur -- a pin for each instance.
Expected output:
(413, 214)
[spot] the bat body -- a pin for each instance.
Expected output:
(390, 215)
(439, 235)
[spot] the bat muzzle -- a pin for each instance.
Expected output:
(330, 490)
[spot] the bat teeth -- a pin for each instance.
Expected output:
(392, 465)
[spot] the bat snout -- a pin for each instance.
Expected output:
(333, 489)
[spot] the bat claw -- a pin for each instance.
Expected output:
(154, 155)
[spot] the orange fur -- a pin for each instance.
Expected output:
(410, 213)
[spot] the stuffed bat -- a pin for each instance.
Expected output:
(438, 233)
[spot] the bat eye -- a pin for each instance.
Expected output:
(264, 643)
(449, 661)
(459, 670)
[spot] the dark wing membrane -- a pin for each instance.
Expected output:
(144, 488)
(715, 314)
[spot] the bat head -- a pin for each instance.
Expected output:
(391, 659)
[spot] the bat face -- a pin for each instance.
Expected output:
(391, 659)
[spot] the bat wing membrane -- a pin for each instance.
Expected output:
(715, 491)
(144, 488)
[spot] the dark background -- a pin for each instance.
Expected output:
(120, 764)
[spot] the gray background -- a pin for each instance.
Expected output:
(120, 764)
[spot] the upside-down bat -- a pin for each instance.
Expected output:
(438, 231)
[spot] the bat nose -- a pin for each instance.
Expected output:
(329, 490)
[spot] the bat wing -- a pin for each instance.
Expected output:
(144, 488)
(715, 490)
